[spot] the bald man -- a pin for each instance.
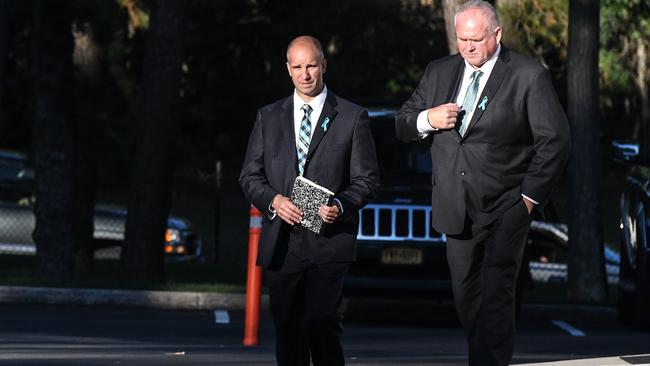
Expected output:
(316, 134)
(499, 144)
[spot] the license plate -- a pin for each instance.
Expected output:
(401, 256)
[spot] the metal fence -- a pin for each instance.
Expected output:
(378, 222)
(17, 224)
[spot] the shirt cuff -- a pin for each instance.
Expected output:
(339, 205)
(272, 213)
(424, 128)
(530, 199)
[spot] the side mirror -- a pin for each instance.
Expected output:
(626, 151)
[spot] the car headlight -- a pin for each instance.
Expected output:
(174, 249)
(172, 236)
(173, 243)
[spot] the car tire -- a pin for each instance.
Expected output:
(642, 280)
(634, 284)
(626, 287)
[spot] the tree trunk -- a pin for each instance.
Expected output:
(53, 138)
(87, 65)
(587, 280)
(152, 173)
(449, 9)
(3, 60)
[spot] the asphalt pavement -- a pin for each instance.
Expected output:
(75, 327)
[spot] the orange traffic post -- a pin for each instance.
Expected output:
(254, 281)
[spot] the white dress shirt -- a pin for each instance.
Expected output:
(316, 105)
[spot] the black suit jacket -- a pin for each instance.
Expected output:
(517, 144)
(341, 158)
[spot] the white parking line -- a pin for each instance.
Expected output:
(221, 317)
(569, 328)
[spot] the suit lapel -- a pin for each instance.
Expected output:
(287, 128)
(329, 112)
(454, 84)
(496, 77)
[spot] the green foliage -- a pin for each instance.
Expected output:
(624, 27)
(624, 18)
(613, 74)
(138, 15)
(539, 29)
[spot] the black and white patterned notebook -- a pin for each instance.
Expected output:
(309, 196)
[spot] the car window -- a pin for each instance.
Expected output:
(16, 179)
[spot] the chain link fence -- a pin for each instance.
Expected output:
(546, 249)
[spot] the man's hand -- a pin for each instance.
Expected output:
(443, 117)
(529, 204)
(329, 214)
(286, 209)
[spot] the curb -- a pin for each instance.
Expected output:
(642, 359)
(356, 307)
(151, 299)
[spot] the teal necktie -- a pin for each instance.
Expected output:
(469, 101)
(304, 137)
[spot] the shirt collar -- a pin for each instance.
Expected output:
(487, 66)
(316, 103)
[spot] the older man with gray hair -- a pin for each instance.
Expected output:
(499, 144)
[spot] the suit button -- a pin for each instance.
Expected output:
(462, 172)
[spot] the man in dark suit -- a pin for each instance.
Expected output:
(326, 139)
(499, 143)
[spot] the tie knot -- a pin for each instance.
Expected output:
(476, 75)
(306, 108)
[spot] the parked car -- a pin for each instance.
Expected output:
(634, 280)
(397, 248)
(17, 220)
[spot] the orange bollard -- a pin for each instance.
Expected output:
(253, 281)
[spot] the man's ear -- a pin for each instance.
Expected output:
(498, 34)
(324, 65)
(289, 68)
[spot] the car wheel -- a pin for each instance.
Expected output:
(633, 284)
(626, 283)
(642, 278)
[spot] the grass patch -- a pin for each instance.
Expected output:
(18, 270)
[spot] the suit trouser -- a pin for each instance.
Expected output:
(484, 264)
(305, 301)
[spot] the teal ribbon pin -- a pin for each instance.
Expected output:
(325, 123)
(483, 103)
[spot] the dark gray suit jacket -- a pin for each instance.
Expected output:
(518, 144)
(341, 158)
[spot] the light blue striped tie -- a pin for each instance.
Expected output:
(470, 100)
(304, 137)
